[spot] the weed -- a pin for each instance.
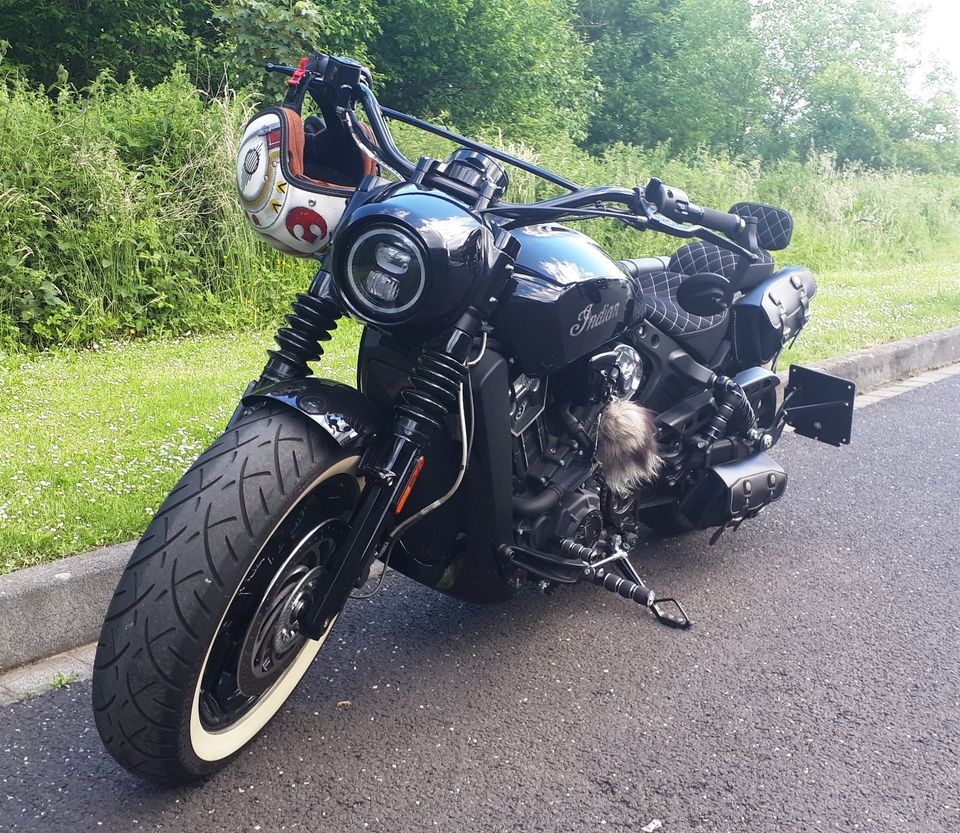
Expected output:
(118, 215)
(63, 680)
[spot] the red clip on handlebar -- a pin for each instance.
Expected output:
(298, 73)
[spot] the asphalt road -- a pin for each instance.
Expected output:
(819, 689)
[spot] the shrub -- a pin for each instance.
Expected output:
(256, 32)
(515, 64)
(130, 39)
(118, 215)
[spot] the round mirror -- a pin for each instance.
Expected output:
(705, 294)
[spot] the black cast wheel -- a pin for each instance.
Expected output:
(200, 646)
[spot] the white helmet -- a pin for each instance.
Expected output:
(295, 182)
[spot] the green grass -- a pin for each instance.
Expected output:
(854, 310)
(94, 440)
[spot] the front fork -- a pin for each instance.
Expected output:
(390, 465)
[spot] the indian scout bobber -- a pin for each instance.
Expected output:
(536, 399)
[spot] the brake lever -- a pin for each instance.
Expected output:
(668, 226)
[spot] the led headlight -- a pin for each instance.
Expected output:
(385, 272)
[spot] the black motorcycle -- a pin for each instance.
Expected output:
(538, 401)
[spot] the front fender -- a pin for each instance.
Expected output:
(339, 410)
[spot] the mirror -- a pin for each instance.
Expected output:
(705, 294)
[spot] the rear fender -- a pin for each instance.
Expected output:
(339, 410)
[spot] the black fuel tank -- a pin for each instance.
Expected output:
(565, 299)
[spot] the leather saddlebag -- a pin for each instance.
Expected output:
(772, 314)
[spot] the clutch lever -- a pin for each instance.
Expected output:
(659, 222)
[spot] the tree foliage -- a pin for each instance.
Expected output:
(255, 32)
(838, 81)
(769, 79)
(85, 37)
(676, 72)
(515, 65)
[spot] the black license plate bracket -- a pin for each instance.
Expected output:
(819, 405)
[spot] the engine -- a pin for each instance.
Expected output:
(560, 426)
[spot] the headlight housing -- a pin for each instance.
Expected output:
(385, 273)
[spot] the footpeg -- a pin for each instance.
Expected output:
(576, 562)
(675, 618)
(639, 593)
(668, 612)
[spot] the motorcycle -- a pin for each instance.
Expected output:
(538, 401)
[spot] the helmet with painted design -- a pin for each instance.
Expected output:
(295, 178)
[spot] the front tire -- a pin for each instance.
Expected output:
(199, 648)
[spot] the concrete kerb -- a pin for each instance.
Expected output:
(875, 367)
(57, 607)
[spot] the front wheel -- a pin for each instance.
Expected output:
(200, 647)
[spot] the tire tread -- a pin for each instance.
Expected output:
(162, 615)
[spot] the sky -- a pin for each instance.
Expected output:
(941, 36)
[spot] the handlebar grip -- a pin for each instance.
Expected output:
(329, 71)
(728, 224)
(675, 204)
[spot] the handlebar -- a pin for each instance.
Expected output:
(339, 68)
(660, 207)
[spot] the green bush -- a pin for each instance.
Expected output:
(516, 65)
(127, 37)
(769, 79)
(844, 219)
(256, 32)
(118, 215)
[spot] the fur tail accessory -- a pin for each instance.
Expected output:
(627, 446)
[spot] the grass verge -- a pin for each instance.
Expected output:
(94, 440)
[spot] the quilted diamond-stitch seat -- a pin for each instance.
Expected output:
(659, 279)
(703, 257)
(660, 283)
(706, 257)
(662, 310)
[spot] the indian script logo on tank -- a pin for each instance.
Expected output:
(589, 320)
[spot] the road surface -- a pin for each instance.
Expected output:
(819, 689)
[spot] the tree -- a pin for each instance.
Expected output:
(127, 37)
(827, 58)
(255, 32)
(511, 65)
(767, 79)
(675, 72)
